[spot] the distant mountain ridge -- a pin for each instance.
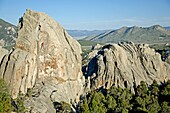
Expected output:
(153, 34)
(79, 34)
(168, 27)
(8, 33)
(156, 34)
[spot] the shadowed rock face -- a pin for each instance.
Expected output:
(45, 59)
(125, 65)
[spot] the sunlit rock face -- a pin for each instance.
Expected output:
(46, 60)
(125, 65)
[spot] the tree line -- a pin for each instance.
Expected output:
(154, 98)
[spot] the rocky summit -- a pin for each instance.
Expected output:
(125, 65)
(45, 60)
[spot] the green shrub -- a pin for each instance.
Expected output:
(20, 104)
(5, 98)
(62, 107)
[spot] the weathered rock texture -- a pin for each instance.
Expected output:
(46, 60)
(125, 65)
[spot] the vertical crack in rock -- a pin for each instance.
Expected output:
(6, 64)
(2, 60)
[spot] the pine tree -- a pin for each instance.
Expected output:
(5, 99)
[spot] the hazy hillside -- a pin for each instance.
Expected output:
(8, 33)
(79, 34)
(86, 43)
(168, 27)
(153, 34)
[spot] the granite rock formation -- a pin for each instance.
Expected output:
(125, 65)
(45, 60)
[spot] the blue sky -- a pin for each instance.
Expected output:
(92, 14)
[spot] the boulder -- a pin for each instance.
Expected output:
(125, 65)
(96, 47)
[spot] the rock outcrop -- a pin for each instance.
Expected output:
(46, 60)
(125, 65)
